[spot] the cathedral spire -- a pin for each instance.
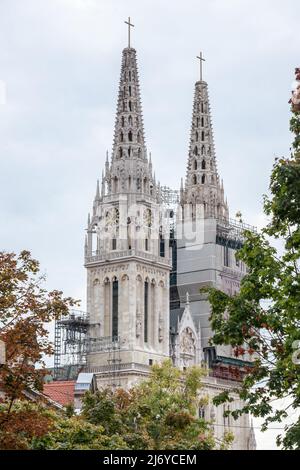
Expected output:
(129, 140)
(129, 170)
(202, 184)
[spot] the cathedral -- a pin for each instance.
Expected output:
(148, 252)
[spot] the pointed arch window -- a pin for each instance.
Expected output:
(137, 121)
(197, 122)
(123, 105)
(130, 106)
(129, 151)
(197, 136)
(203, 179)
(202, 150)
(203, 164)
(202, 108)
(196, 150)
(202, 122)
(130, 120)
(139, 152)
(130, 136)
(120, 152)
(130, 91)
(195, 165)
(146, 305)
(138, 137)
(194, 179)
(122, 121)
(121, 137)
(202, 136)
(115, 308)
(129, 74)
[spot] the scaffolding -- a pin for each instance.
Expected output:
(71, 344)
(111, 346)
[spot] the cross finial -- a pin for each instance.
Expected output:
(129, 26)
(187, 298)
(201, 59)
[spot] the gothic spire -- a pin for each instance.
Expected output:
(202, 184)
(129, 170)
(129, 140)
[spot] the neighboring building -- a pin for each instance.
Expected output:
(147, 261)
(61, 391)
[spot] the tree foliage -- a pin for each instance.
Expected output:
(26, 309)
(158, 413)
(263, 319)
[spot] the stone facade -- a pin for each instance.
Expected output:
(129, 258)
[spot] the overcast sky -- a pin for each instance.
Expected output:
(59, 70)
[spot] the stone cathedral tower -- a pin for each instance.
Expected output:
(126, 251)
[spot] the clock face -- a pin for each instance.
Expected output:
(148, 217)
(112, 217)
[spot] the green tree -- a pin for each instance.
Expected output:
(158, 413)
(263, 319)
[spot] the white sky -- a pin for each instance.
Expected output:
(59, 70)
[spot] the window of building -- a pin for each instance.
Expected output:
(146, 244)
(226, 256)
(161, 246)
(203, 165)
(202, 136)
(114, 244)
(201, 412)
(146, 295)
(130, 136)
(203, 179)
(150, 362)
(115, 301)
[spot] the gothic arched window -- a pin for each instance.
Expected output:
(202, 150)
(115, 313)
(138, 137)
(129, 151)
(139, 152)
(194, 179)
(202, 122)
(146, 307)
(122, 121)
(130, 107)
(202, 136)
(121, 137)
(203, 179)
(202, 108)
(203, 165)
(197, 136)
(120, 152)
(195, 165)
(130, 120)
(130, 136)
(196, 150)
(130, 91)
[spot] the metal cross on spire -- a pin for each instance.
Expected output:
(201, 59)
(129, 26)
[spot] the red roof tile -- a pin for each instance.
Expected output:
(61, 391)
